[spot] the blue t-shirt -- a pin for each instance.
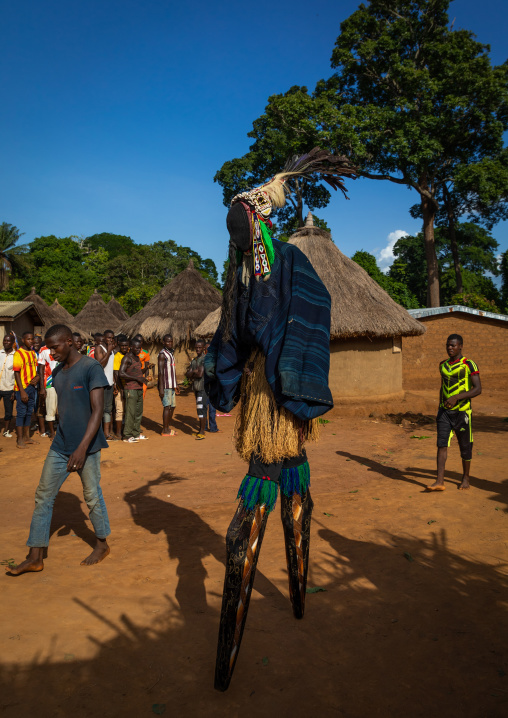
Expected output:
(73, 387)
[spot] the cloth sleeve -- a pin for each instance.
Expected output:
(17, 362)
(43, 359)
(473, 368)
(96, 377)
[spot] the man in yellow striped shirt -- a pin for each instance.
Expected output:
(27, 379)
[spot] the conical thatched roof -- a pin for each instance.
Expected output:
(360, 308)
(53, 314)
(117, 309)
(62, 313)
(177, 309)
(47, 314)
(96, 316)
(209, 325)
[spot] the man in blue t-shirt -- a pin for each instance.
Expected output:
(79, 382)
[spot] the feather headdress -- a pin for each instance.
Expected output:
(273, 193)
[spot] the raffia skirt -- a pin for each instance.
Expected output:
(264, 429)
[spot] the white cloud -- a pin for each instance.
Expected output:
(385, 256)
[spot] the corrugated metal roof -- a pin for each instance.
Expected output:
(432, 311)
(10, 310)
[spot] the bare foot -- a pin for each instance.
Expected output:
(437, 486)
(33, 562)
(99, 553)
(31, 441)
(464, 485)
(20, 445)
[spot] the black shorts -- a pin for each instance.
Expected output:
(459, 423)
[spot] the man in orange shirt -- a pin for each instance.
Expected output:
(27, 378)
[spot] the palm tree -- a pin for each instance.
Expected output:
(10, 256)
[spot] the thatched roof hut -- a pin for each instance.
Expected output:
(360, 307)
(46, 313)
(209, 325)
(366, 326)
(177, 309)
(117, 310)
(54, 314)
(62, 313)
(96, 316)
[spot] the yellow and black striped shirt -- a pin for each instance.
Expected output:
(456, 378)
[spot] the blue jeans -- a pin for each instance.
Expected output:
(53, 475)
(24, 411)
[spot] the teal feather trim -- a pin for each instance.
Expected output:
(295, 480)
(256, 492)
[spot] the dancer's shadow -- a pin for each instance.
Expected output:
(388, 471)
(190, 541)
(69, 518)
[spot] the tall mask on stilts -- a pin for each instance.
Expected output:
(271, 354)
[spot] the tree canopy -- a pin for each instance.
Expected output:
(419, 102)
(10, 255)
(70, 269)
(478, 250)
(412, 101)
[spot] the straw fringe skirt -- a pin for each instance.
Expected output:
(264, 429)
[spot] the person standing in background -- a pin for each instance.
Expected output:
(123, 348)
(105, 356)
(78, 342)
(460, 382)
(195, 372)
(7, 382)
(144, 358)
(27, 378)
(46, 365)
(131, 372)
(168, 387)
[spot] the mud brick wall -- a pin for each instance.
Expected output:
(485, 341)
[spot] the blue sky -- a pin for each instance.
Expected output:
(117, 114)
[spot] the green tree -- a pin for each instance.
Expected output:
(478, 250)
(478, 190)
(503, 270)
(114, 244)
(136, 297)
(397, 290)
(56, 269)
(415, 101)
(96, 265)
(291, 125)
(11, 257)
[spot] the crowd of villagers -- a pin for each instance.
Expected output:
(30, 399)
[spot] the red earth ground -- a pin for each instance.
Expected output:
(411, 621)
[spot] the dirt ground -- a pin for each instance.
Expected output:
(411, 621)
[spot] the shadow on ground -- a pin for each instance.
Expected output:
(425, 477)
(403, 627)
(70, 519)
